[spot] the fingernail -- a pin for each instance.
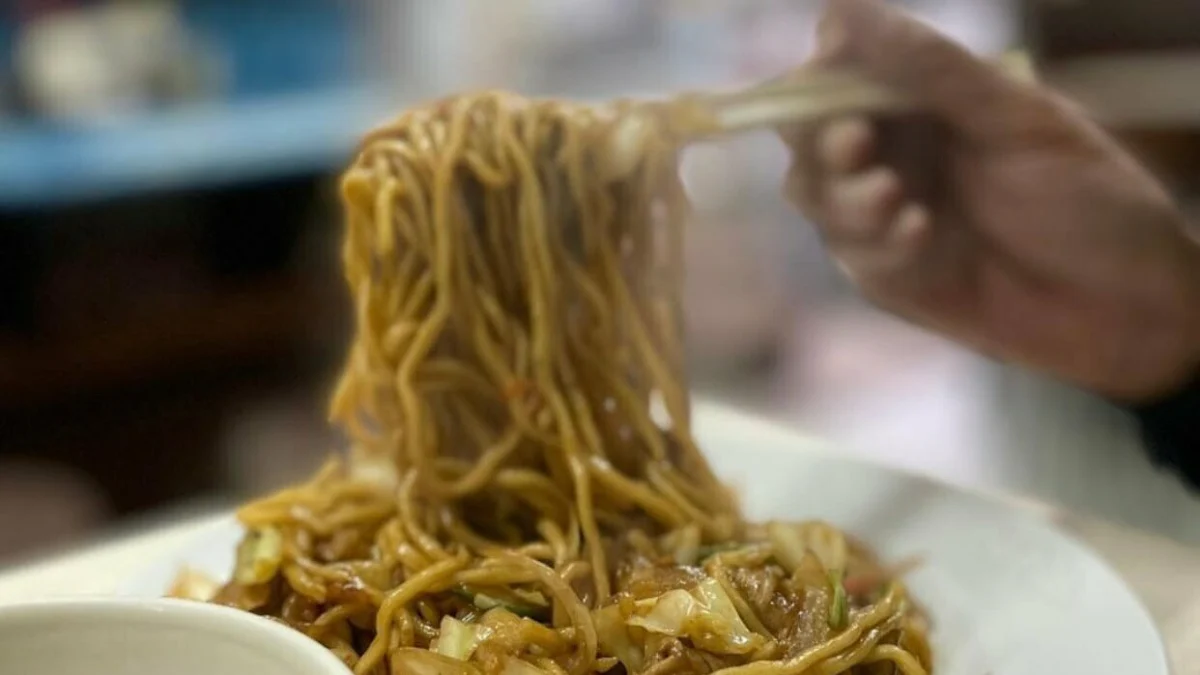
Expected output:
(911, 224)
(844, 144)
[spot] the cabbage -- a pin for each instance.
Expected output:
(529, 604)
(801, 547)
(685, 542)
(613, 637)
(792, 541)
(413, 661)
(706, 616)
(377, 471)
(458, 640)
(193, 585)
(259, 556)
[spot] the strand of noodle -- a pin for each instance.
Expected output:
(658, 508)
(527, 482)
(806, 660)
(587, 520)
(407, 514)
(681, 503)
(303, 582)
(481, 473)
(900, 658)
(426, 335)
(489, 548)
(333, 615)
(527, 569)
(395, 545)
(426, 581)
(554, 536)
(858, 652)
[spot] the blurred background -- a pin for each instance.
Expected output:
(171, 315)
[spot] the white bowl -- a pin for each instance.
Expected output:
(1009, 594)
(123, 636)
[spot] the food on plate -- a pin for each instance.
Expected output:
(522, 494)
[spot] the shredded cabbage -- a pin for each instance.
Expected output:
(685, 542)
(458, 640)
(194, 585)
(706, 616)
(614, 639)
(792, 541)
(529, 604)
(259, 556)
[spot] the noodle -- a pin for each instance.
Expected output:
(510, 505)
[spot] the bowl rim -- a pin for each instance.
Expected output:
(207, 621)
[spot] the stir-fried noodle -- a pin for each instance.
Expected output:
(523, 495)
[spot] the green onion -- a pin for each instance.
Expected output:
(703, 553)
(839, 610)
(485, 602)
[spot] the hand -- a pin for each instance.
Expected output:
(1003, 218)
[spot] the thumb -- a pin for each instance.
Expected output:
(897, 50)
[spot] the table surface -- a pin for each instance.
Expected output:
(1163, 573)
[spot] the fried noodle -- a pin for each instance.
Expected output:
(523, 494)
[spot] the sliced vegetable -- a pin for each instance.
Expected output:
(193, 585)
(668, 614)
(705, 552)
(706, 616)
(839, 609)
(512, 634)
(413, 661)
(259, 556)
(458, 640)
(789, 547)
(811, 573)
(685, 542)
(528, 604)
(792, 541)
(614, 639)
(379, 471)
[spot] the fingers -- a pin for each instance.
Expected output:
(862, 206)
(873, 228)
(876, 264)
(846, 145)
(842, 146)
(872, 222)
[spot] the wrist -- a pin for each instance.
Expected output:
(1162, 357)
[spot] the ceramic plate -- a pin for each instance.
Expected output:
(1008, 593)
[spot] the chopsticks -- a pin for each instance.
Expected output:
(799, 97)
(802, 96)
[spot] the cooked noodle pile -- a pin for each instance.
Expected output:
(524, 495)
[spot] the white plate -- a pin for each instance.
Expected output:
(1009, 594)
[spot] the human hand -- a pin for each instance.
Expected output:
(1003, 218)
